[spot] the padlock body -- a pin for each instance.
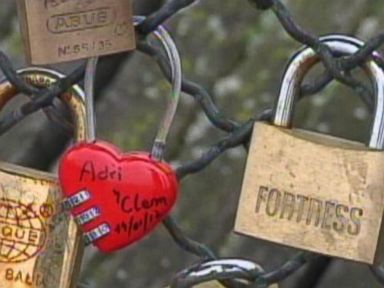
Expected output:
(38, 242)
(313, 192)
(61, 30)
(132, 192)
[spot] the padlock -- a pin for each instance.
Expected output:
(241, 272)
(313, 191)
(118, 198)
(60, 30)
(39, 245)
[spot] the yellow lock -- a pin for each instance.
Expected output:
(39, 244)
(312, 191)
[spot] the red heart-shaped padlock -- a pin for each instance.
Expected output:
(116, 198)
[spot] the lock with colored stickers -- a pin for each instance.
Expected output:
(313, 191)
(117, 198)
(39, 244)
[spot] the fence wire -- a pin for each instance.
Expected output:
(211, 267)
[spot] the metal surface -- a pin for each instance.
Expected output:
(76, 200)
(303, 61)
(176, 75)
(87, 216)
(43, 244)
(89, 87)
(133, 191)
(313, 192)
(238, 134)
(97, 233)
(173, 56)
(202, 274)
(58, 31)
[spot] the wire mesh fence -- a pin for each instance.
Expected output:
(211, 266)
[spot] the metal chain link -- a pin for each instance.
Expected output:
(238, 134)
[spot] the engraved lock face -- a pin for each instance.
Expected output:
(118, 198)
(39, 245)
(313, 191)
(64, 30)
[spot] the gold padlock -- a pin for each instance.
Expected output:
(316, 192)
(61, 30)
(39, 244)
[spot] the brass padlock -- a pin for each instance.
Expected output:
(39, 244)
(316, 192)
(63, 30)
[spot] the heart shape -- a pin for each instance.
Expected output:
(131, 193)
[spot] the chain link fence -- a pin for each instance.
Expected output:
(231, 274)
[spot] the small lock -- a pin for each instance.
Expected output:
(241, 272)
(312, 191)
(60, 30)
(118, 198)
(39, 245)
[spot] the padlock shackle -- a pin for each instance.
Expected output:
(305, 59)
(173, 56)
(43, 78)
(89, 88)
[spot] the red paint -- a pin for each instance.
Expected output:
(134, 192)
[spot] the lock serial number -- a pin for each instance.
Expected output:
(85, 47)
(57, 3)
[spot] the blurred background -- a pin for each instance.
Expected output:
(238, 54)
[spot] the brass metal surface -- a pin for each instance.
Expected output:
(64, 30)
(312, 192)
(39, 243)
